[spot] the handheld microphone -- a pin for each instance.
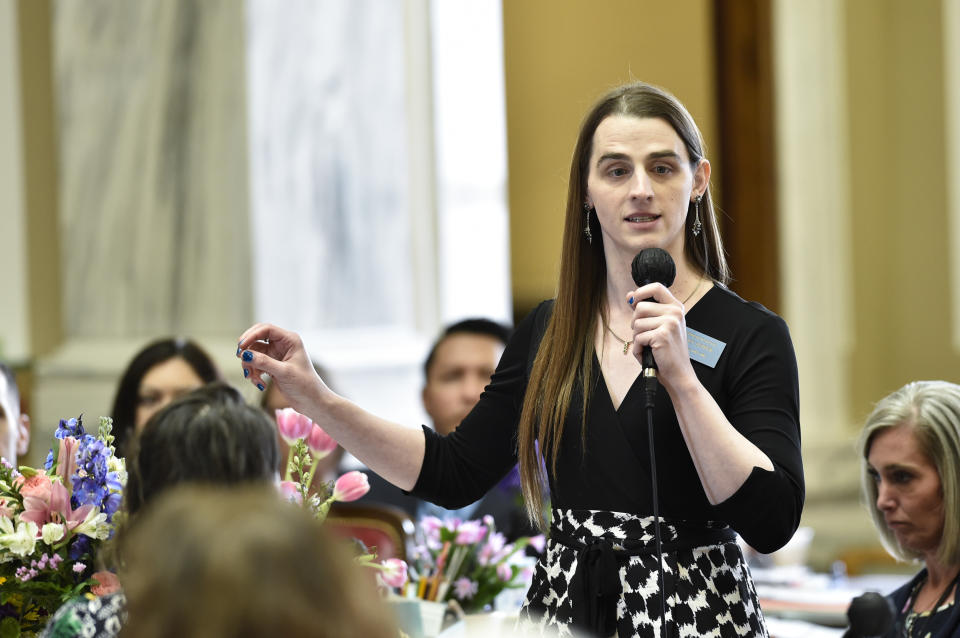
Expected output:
(650, 265)
(870, 614)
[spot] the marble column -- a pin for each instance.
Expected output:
(329, 150)
(153, 167)
(153, 191)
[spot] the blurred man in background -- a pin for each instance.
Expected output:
(14, 425)
(456, 371)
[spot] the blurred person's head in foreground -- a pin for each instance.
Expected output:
(232, 563)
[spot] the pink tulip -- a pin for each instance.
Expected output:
(394, 572)
(350, 487)
(470, 532)
(538, 542)
(292, 425)
(290, 491)
(504, 572)
(67, 460)
(107, 583)
(320, 443)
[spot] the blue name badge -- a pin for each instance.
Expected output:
(704, 349)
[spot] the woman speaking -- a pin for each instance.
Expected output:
(567, 401)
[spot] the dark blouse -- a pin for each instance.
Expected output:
(754, 382)
(943, 622)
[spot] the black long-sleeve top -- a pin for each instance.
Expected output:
(754, 382)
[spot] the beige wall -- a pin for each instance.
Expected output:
(560, 57)
(864, 204)
(900, 217)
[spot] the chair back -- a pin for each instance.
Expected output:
(384, 527)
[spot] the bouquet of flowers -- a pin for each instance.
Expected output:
(308, 445)
(468, 561)
(52, 523)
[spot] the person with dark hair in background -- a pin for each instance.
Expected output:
(456, 371)
(159, 373)
(209, 437)
(14, 424)
(458, 368)
(569, 391)
(206, 562)
(910, 480)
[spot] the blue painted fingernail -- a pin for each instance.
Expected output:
(246, 373)
(247, 356)
(630, 301)
(238, 350)
(260, 387)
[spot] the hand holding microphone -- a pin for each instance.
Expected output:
(649, 266)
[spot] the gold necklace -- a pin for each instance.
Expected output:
(626, 344)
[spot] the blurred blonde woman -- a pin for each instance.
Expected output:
(243, 563)
(911, 484)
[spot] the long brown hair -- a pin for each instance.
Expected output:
(565, 354)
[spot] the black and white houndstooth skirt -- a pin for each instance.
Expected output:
(616, 591)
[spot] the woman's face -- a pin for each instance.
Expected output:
(909, 493)
(162, 384)
(641, 183)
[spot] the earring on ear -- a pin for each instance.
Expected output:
(586, 228)
(696, 220)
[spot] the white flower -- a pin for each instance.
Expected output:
(118, 465)
(20, 542)
(52, 533)
(94, 525)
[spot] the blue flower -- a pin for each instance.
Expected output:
(70, 427)
(48, 464)
(79, 547)
(90, 482)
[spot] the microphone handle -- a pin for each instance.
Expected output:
(646, 356)
(648, 362)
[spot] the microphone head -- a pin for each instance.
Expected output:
(870, 614)
(653, 264)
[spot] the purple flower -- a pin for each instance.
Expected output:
(470, 532)
(431, 527)
(79, 567)
(510, 482)
(504, 572)
(464, 588)
(491, 548)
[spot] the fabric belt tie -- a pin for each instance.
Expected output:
(596, 581)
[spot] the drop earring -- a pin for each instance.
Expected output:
(696, 220)
(586, 228)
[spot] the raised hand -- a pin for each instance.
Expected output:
(267, 349)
